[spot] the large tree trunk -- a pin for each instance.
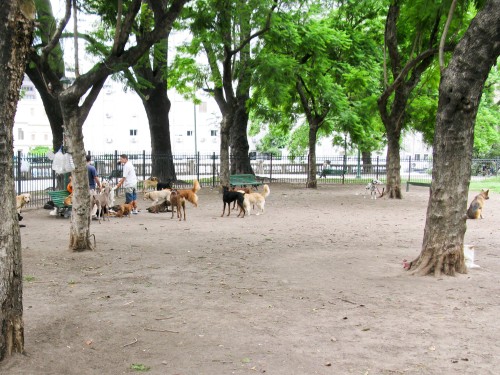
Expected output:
(312, 181)
(16, 29)
(240, 160)
(459, 96)
(225, 128)
(79, 238)
(157, 107)
(393, 164)
(366, 157)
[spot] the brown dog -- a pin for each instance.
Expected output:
(177, 201)
(151, 182)
(124, 210)
(475, 210)
(190, 194)
(161, 207)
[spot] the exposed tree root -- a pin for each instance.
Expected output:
(448, 262)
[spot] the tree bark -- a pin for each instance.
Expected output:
(16, 29)
(366, 157)
(312, 181)
(460, 92)
(157, 106)
(240, 160)
(393, 162)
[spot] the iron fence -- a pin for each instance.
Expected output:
(34, 174)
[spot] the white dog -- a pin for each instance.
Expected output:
(372, 188)
(158, 195)
(22, 200)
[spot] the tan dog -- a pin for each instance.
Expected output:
(157, 195)
(190, 194)
(475, 210)
(68, 201)
(177, 201)
(22, 200)
(124, 210)
(256, 199)
(151, 182)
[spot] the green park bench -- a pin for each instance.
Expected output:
(57, 197)
(416, 183)
(331, 172)
(244, 180)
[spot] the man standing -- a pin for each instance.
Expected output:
(129, 182)
(93, 178)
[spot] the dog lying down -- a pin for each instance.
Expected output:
(161, 207)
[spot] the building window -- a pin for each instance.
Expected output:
(417, 157)
(213, 133)
(189, 133)
(20, 134)
(426, 156)
(133, 132)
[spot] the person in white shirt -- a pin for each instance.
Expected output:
(129, 182)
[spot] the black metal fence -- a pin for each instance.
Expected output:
(34, 174)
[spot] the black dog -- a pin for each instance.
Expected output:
(19, 218)
(164, 185)
(231, 196)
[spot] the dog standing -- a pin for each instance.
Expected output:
(256, 199)
(151, 182)
(157, 196)
(372, 188)
(177, 201)
(190, 194)
(231, 196)
(22, 200)
(475, 210)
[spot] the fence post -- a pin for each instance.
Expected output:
(198, 166)
(358, 173)
(376, 173)
(213, 170)
(143, 165)
(344, 167)
(409, 174)
(271, 168)
(18, 168)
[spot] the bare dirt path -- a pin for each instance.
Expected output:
(313, 286)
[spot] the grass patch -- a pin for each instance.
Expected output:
(492, 183)
(139, 367)
(29, 278)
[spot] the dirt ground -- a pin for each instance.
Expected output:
(313, 286)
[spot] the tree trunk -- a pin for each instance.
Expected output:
(16, 28)
(459, 97)
(366, 157)
(240, 160)
(157, 106)
(312, 181)
(225, 129)
(79, 238)
(393, 166)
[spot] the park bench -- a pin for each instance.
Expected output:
(244, 180)
(331, 172)
(415, 183)
(57, 197)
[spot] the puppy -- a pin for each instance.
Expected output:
(157, 196)
(256, 199)
(190, 194)
(151, 182)
(124, 210)
(22, 200)
(231, 196)
(177, 201)
(475, 210)
(161, 207)
(372, 188)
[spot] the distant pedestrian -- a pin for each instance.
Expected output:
(93, 177)
(129, 182)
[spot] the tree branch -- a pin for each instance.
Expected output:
(445, 32)
(57, 35)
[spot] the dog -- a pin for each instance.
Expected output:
(102, 201)
(228, 197)
(475, 210)
(372, 188)
(151, 182)
(161, 207)
(124, 210)
(68, 201)
(256, 199)
(22, 200)
(178, 201)
(163, 185)
(243, 190)
(157, 196)
(190, 194)
(19, 218)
